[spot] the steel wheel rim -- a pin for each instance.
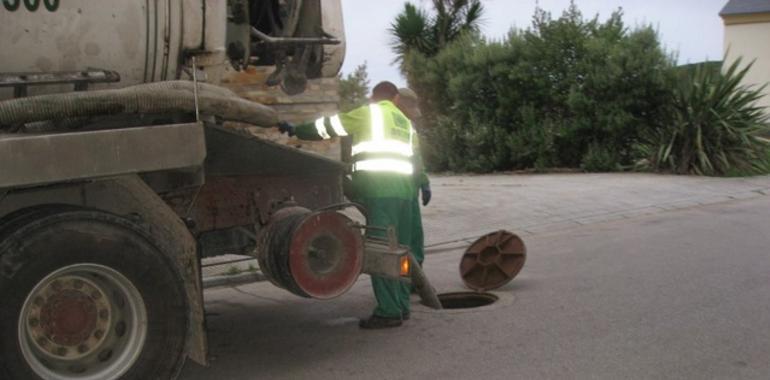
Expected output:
(104, 338)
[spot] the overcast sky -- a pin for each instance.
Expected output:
(690, 27)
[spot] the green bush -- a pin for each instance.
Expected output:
(599, 158)
(543, 96)
(713, 127)
(580, 93)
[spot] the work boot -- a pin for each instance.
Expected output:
(376, 322)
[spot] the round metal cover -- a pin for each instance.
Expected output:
(326, 255)
(493, 260)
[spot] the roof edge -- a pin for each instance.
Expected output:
(744, 7)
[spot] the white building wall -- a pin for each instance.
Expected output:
(752, 42)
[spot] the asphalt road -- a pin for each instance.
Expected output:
(680, 294)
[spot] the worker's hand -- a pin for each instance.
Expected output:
(286, 128)
(426, 194)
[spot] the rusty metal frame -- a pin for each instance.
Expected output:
(246, 177)
(232, 201)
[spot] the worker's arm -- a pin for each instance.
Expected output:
(420, 175)
(326, 127)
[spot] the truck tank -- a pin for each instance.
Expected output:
(155, 40)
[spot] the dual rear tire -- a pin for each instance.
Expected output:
(87, 295)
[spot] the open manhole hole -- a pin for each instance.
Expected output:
(466, 300)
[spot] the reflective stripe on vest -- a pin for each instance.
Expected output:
(379, 144)
(377, 122)
(337, 126)
(321, 129)
(386, 146)
(384, 165)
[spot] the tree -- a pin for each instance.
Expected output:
(713, 126)
(567, 92)
(414, 29)
(354, 88)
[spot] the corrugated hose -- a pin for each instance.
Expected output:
(150, 98)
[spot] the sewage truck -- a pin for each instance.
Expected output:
(123, 163)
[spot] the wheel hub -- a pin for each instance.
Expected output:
(311, 254)
(68, 317)
(325, 255)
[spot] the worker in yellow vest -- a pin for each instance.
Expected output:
(383, 146)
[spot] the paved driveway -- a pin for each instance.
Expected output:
(468, 206)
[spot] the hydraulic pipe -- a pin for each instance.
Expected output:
(422, 285)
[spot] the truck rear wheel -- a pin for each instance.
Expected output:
(87, 295)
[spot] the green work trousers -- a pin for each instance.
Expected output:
(392, 295)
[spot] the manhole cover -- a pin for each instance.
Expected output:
(466, 300)
(492, 261)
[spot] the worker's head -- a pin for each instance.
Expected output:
(385, 91)
(409, 103)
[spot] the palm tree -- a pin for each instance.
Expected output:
(414, 29)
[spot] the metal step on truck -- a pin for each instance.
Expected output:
(123, 164)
